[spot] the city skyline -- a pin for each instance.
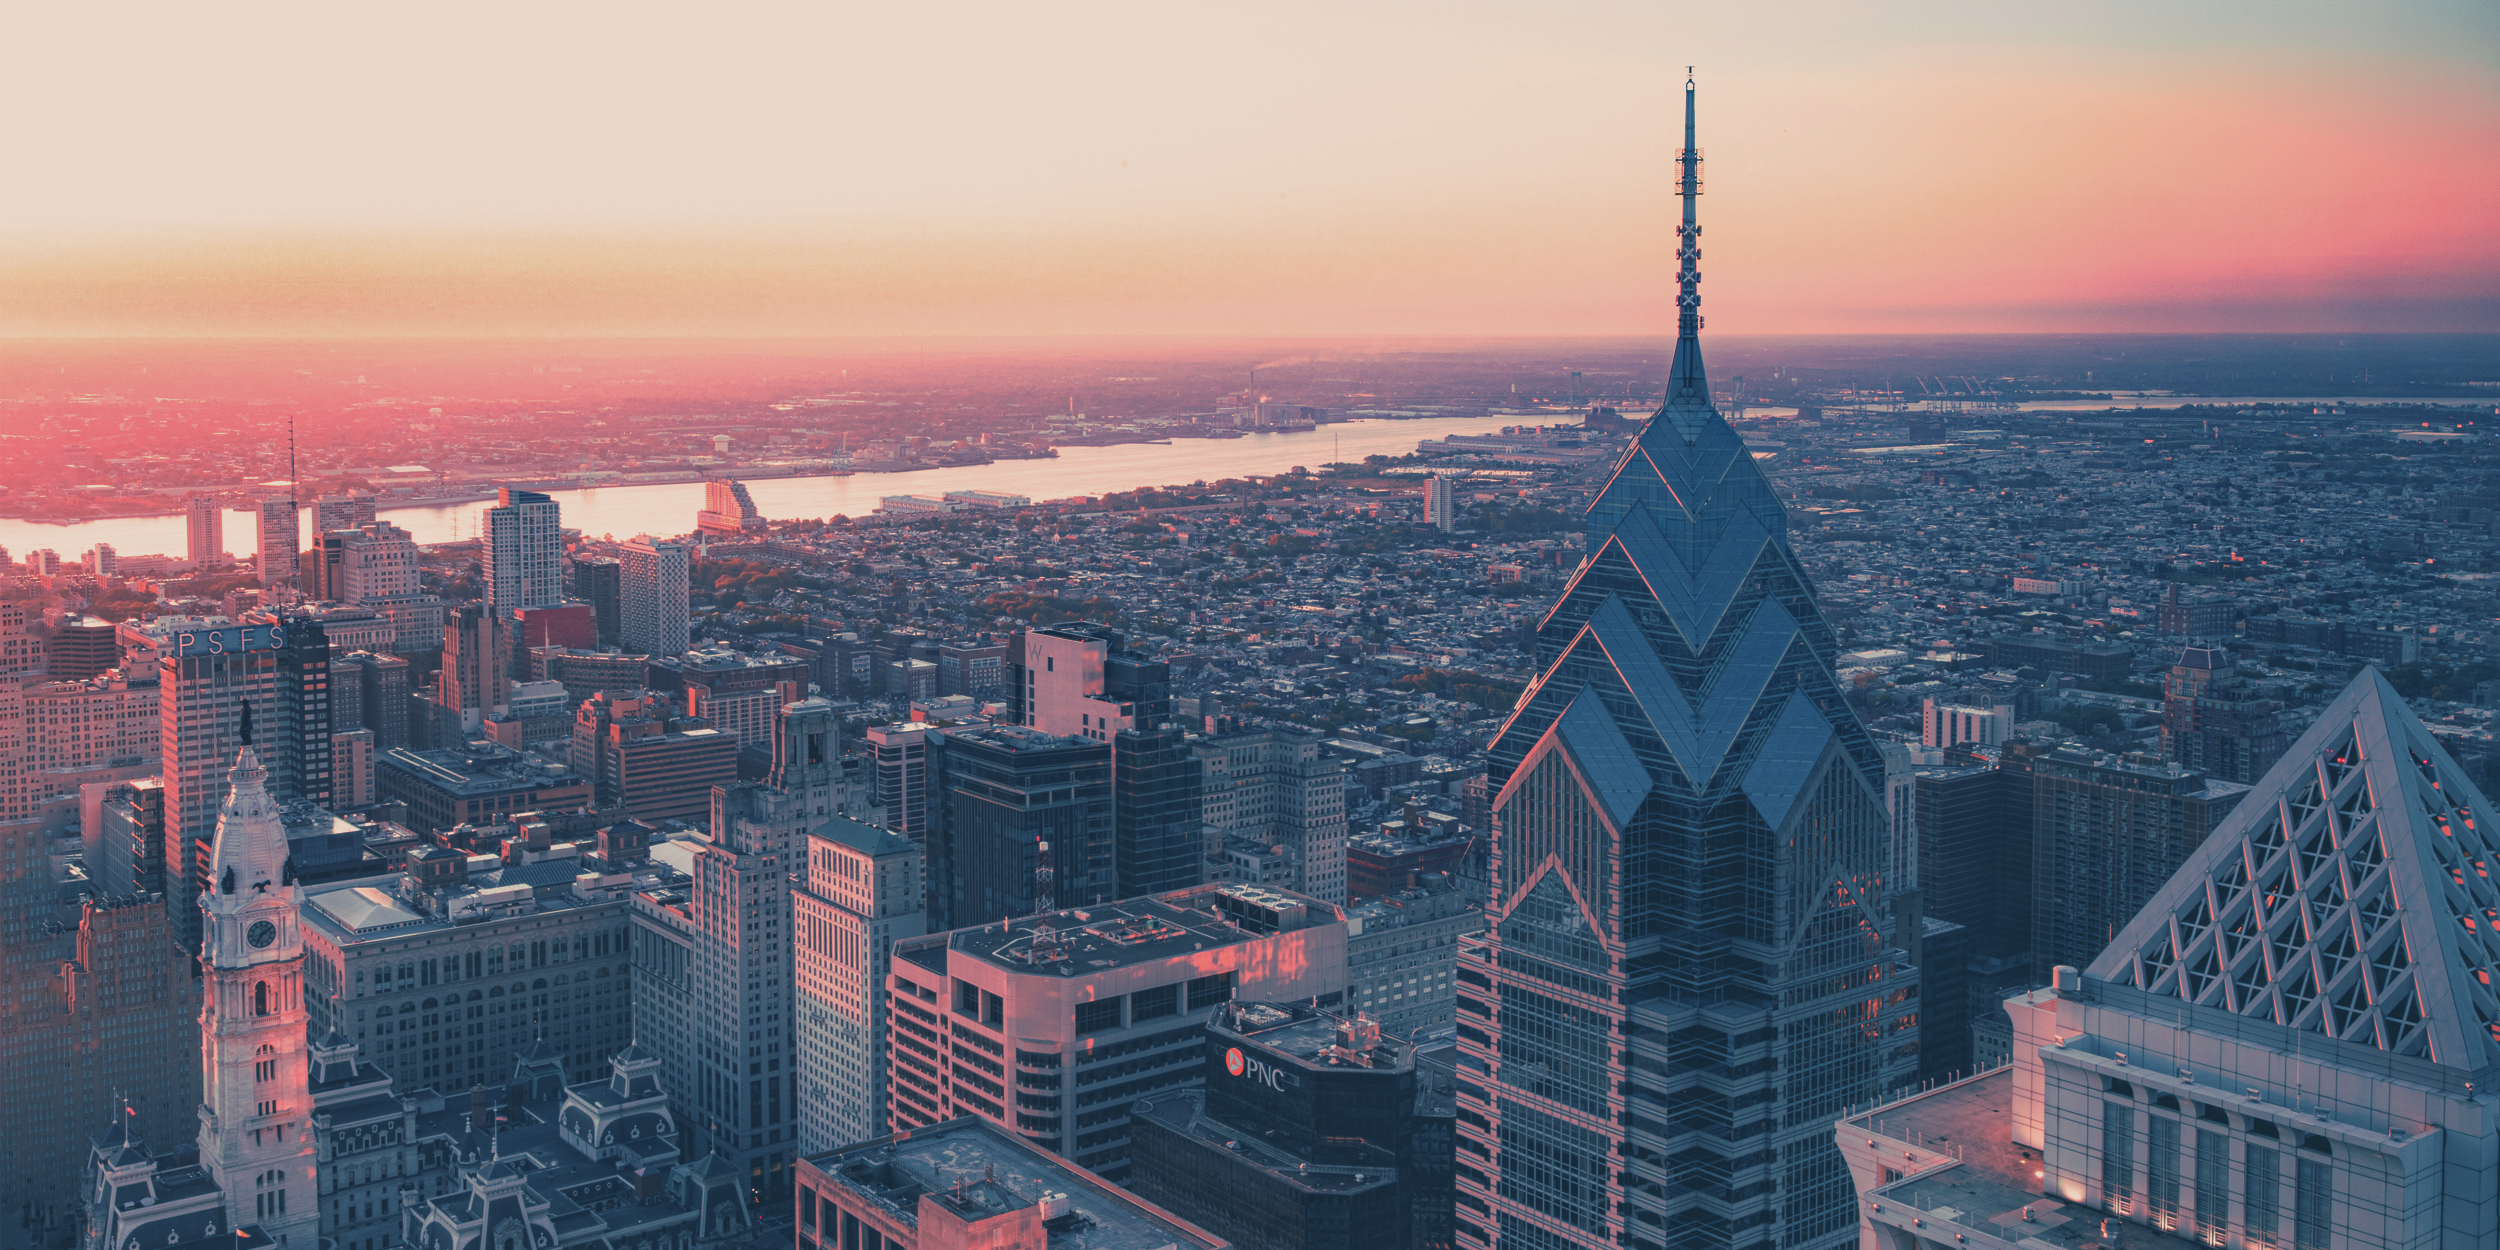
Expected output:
(1375, 170)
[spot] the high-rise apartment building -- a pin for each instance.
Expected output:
(2290, 1045)
(597, 582)
(342, 512)
(103, 561)
(1278, 788)
(204, 532)
(728, 509)
(2216, 721)
(860, 893)
(652, 602)
(1686, 974)
(2106, 832)
(21, 664)
(1021, 822)
(523, 551)
(1945, 724)
(281, 540)
(1053, 1026)
(1440, 504)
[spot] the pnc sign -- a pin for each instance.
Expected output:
(1266, 1074)
(226, 640)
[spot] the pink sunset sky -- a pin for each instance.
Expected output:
(1274, 168)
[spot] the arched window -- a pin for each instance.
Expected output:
(496, 992)
(430, 1004)
(407, 1008)
(539, 984)
(603, 972)
(260, 998)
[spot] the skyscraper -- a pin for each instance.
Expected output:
(342, 512)
(2106, 831)
(1021, 822)
(2290, 1045)
(652, 602)
(218, 692)
(2216, 721)
(860, 893)
(476, 677)
(728, 510)
(1081, 679)
(281, 540)
(1689, 834)
(204, 532)
(523, 557)
(596, 582)
(1440, 504)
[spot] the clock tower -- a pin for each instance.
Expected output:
(256, 1135)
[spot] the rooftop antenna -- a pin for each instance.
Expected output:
(1688, 387)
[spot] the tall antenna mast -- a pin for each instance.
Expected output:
(293, 491)
(1688, 386)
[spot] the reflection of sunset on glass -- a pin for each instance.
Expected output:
(1383, 168)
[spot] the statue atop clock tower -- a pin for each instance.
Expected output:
(256, 1135)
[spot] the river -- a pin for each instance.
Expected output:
(624, 511)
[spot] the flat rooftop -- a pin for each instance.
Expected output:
(1994, 1182)
(1310, 1036)
(981, 1172)
(1184, 1113)
(1080, 941)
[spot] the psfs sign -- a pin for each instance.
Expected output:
(1266, 1074)
(227, 640)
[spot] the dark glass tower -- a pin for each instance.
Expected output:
(1686, 977)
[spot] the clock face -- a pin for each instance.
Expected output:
(262, 933)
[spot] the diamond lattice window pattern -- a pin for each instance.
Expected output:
(2355, 892)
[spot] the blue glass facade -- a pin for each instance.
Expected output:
(1685, 980)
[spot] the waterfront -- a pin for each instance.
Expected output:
(624, 511)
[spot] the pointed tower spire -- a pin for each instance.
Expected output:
(1688, 386)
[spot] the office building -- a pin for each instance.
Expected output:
(101, 1005)
(80, 648)
(381, 701)
(204, 532)
(728, 510)
(597, 582)
(475, 681)
(652, 601)
(322, 569)
(1689, 842)
(556, 625)
(219, 690)
(351, 769)
(376, 562)
(1402, 954)
(342, 512)
(280, 541)
(903, 788)
(716, 968)
(639, 754)
(1943, 725)
(476, 783)
(965, 1185)
(2106, 832)
(2180, 617)
(2093, 661)
(1278, 788)
(1086, 1010)
(1440, 504)
(21, 662)
(77, 729)
(522, 551)
(586, 673)
(977, 669)
(1021, 823)
(128, 857)
(1157, 813)
(861, 892)
(1313, 1129)
(543, 945)
(2291, 1044)
(746, 715)
(2217, 722)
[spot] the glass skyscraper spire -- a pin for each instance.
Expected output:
(1686, 977)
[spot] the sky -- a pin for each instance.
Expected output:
(1343, 168)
